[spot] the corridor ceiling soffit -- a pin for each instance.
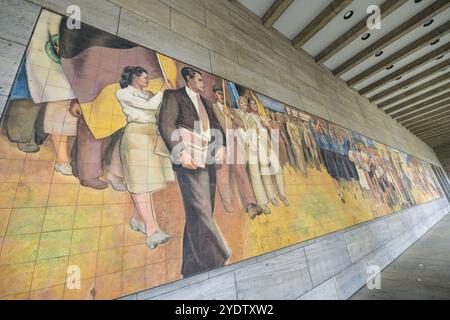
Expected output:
(403, 66)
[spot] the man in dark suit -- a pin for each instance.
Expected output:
(203, 245)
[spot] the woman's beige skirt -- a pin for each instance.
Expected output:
(58, 119)
(144, 171)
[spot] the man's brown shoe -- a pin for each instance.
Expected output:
(94, 184)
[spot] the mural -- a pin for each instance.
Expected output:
(123, 169)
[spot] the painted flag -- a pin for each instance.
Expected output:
(20, 89)
(233, 94)
(271, 104)
(46, 79)
(168, 68)
(261, 110)
(93, 61)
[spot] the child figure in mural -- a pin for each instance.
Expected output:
(145, 172)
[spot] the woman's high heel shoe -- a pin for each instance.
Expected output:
(136, 225)
(157, 238)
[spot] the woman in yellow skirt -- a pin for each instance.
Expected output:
(145, 172)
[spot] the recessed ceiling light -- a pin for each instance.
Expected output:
(366, 36)
(434, 42)
(348, 14)
(399, 78)
(379, 54)
(440, 57)
(390, 67)
(428, 23)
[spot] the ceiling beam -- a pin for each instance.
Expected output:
(406, 27)
(327, 14)
(438, 143)
(428, 120)
(440, 137)
(442, 143)
(443, 118)
(406, 69)
(445, 166)
(275, 12)
(445, 152)
(437, 137)
(427, 116)
(443, 156)
(434, 134)
(439, 140)
(421, 105)
(357, 30)
(424, 86)
(438, 129)
(418, 98)
(443, 149)
(401, 54)
(430, 134)
(418, 77)
(423, 111)
(437, 124)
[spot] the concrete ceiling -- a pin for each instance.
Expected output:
(415, 90)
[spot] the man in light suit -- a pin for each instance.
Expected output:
(229, 120)
(203, 245)
(248, 133)
(267, 159)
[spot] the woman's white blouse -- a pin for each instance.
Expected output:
(139, 106)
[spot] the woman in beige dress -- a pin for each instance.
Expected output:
(145, 172)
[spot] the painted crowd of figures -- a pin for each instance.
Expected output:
(105, 104)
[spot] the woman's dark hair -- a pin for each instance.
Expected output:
(250, 100)
(188, 72)
(126, 78)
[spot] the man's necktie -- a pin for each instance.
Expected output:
(203, 115)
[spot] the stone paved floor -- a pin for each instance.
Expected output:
(421, 272)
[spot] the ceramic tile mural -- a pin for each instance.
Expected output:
(95, 188)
